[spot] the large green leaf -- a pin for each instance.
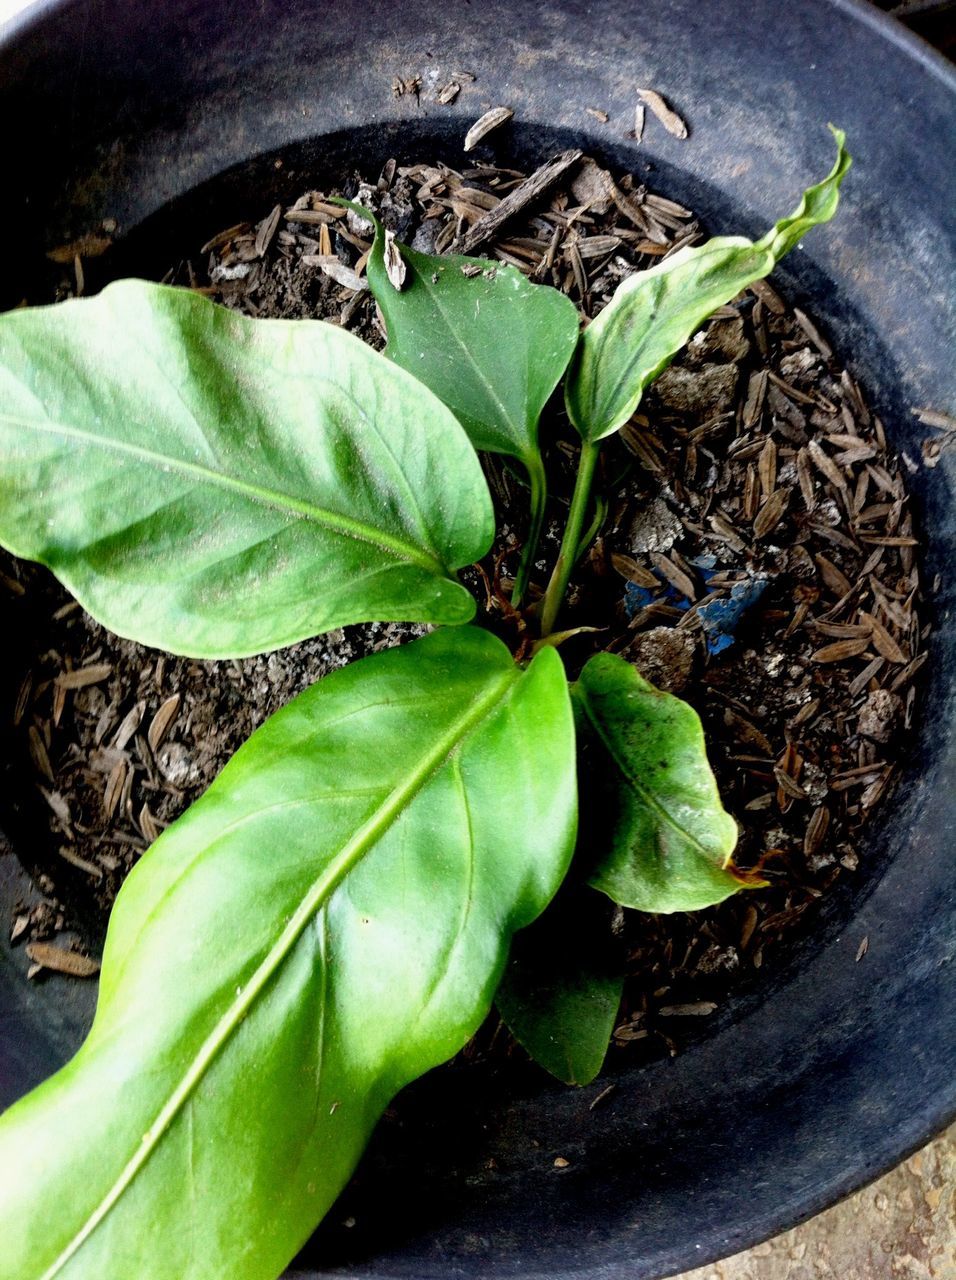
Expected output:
(660, 839)
(653, 313)
(489, 343)
(330, 920)
(219, 486)
(562, 987)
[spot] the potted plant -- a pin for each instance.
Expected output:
(765, 1038)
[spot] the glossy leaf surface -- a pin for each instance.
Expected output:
(659, 837)
(562, 986)
(489, 343)
(219, 486)
(653, 313)
(330, 920)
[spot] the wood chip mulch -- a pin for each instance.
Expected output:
(755, 459)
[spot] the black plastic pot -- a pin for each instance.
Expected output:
(831, 1069)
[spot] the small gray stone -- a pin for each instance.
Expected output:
(654, 528)
(804, 363)
(424, 239)
(879, 714)
(176, 764)
(664, 656)
(708, 390)
(722, 340)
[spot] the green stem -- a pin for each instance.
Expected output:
(594, 528)
(539, 497)
(571, 541)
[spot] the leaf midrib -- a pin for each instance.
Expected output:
(637, 787)
(334, 521)
(347, 858)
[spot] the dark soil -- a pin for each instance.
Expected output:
(754, 468)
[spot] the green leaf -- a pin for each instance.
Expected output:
(219, 486)
(329, 921)
(653, 313)
(562, 988)
(489, 343)
(660, 838)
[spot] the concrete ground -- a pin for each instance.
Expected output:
(900, 1228)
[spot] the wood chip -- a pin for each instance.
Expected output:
(629, 568)
(671, 121)
(315, 217)
(767, 467)
(335, 270)
(745, 731)
(60, 960)
(395, 266)
(602, 1096)
(74, 859)
(833, 578)
(934, 418)
(788, 785)
(697, 1009)
(492, 119)
(114, 788)
(771, 513)
(128, 726)
(750, 503)
(162, 721)
(903, 540)
(266, 230)
(448, 93)
(59, 703)
(82, 677)
(842, 630)
(517, 199)
(148, 825)
(756, 397)
(869, 672)
(679, 580)
(770, 298)
(38, 753)
(222, 239)
(826, 466)
(840, 651)
(813, 333)
(862, 948)
(726, 531)
(23, 698)
(816, 830)
(883, 642)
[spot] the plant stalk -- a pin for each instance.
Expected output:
(593, 529)
(539, 498)
(571, 542)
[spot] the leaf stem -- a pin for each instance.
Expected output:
(594, 528)
(539, 497)
(571, 542)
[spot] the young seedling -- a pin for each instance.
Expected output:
(334, 916)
